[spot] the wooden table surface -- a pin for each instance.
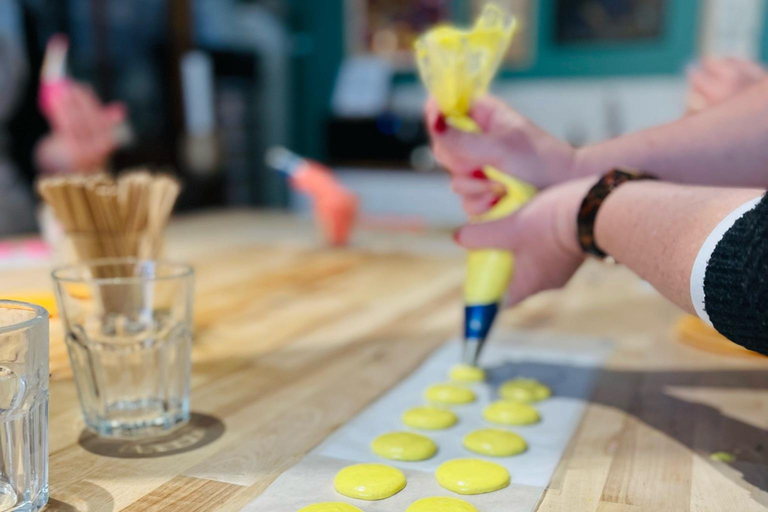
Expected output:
(293, 340)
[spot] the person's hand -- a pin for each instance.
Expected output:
(509, 142)
(542, 235)
(718, 79)
(83, 135)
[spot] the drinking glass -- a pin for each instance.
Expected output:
(128, 326)
(23, 407)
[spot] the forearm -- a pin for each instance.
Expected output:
(726, 145)
(656, 229)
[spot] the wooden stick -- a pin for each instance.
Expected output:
(111, 218)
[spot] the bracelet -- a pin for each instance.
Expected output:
(592, 202)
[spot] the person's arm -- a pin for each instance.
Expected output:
(722, 146)
(656, 229)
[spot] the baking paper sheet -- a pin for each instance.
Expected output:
(569, 366)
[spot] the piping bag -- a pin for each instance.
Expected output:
(335, 207)
(456, 67)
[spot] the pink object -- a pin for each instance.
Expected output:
(53, 76)
(335, 206)
(6, 249)
(36, 248)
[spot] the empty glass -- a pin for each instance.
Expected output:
(129, 333)
(23, 407)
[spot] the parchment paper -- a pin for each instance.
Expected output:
(569, 366)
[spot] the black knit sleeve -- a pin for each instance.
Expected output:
(736, 281)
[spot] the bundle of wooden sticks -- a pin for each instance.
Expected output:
(108, 218)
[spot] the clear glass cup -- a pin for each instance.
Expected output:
(23, 407)
(128, 329)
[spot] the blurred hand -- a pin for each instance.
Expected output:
(83, 135)
(718, 79)
(509, 142)
(542, 235)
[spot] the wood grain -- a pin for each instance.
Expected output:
(293, 340)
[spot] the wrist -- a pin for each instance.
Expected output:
(582, 164)
(566, 226)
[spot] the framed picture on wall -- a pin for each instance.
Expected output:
(580, 21)
(388, 28)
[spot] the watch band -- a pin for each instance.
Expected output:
(609, 182)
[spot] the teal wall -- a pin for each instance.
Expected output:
(668, 55)
(764, 39)
(319, 25)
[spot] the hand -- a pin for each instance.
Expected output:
(717, 80)
(542, 235)
(83, 134)
(509, 142)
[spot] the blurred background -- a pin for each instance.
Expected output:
(210, 84)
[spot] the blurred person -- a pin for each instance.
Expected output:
(83, 133)
(82, 136)
(662, 231)
(718, 79)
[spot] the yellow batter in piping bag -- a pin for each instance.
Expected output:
(457, 66)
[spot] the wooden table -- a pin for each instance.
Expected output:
(293, 340)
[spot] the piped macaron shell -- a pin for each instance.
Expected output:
(525, 390)
(369, 481)
(472, 476)
(449, 394)
(404, 446)
(506, 412)
(429, 418)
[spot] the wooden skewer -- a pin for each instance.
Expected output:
(109, 218)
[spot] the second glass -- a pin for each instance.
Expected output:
(129, 335)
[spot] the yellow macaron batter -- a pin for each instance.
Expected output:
(369, 481)
(495, 442)
(404, 446)
(506, 412)
(472, 476)
(429, 418)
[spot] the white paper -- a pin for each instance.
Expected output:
(568, 366)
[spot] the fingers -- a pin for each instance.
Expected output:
(478, 194)
(527, 281)
(116, 112)
(477, 205)
(499, 234)
(435, 120)
(716, 80)
(474, 185)
(64, 116)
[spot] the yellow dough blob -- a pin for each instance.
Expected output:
(467, 373)
(495, 442)
(429, 418)
(331, 506)
(404, 446)
(369, 481)
(524, 390)
(472, 476)
(441, 505)
(506, 412)
(449, 394)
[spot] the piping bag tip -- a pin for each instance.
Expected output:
(471, 351)
(478, 320)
